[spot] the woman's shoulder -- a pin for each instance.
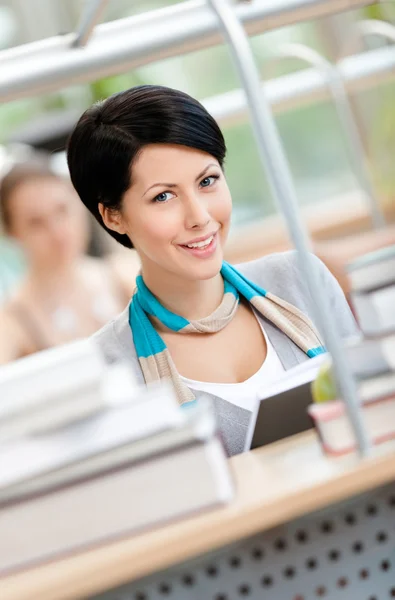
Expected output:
(278, 273)
(282, 275)
(281, 261)
(112, 338)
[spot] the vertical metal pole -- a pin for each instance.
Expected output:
(90, 16)
(344, 111)
(273, 159)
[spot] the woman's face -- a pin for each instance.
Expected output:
(47, 220)
(177, 212)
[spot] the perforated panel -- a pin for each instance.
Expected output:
(346, 552)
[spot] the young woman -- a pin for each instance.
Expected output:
(65, 294)
(148, 163)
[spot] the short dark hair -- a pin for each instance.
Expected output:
(110, 134)
(19, 174)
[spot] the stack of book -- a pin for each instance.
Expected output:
(372, 279)
(72, 481)
(58, 386)
(371, 358)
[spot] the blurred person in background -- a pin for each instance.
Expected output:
(64, 294)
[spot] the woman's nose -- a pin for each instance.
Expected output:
(196, 213)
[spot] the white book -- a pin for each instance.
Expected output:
(34, 464)
(377, 387)
(298, 375)
(52, 414)
(116, 385)
(375, 310)
(334, 427)
(121, 502)
(372, 357)
(35, 380)
(373, 270)
(290, 393)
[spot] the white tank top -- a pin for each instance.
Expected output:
(246, 393)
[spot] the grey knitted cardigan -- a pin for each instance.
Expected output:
(278, 273)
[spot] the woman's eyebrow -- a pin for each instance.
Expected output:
(172, 185)
(169, 185)
(205, 170)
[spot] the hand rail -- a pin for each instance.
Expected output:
(52, 64)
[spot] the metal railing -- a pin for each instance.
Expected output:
(308, 86)
(49, 65)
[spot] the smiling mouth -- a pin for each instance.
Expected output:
(203, 248)
(202, 244)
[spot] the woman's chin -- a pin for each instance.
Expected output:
(205, 269)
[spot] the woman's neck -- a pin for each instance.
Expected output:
(192, 300)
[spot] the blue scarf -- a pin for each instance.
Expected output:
(154, 357)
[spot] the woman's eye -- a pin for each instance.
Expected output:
(163, 197)
(207, 181)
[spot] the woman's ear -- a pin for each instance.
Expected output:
(112, 219)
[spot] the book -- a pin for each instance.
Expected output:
(372, 357)
(373, 270)
(32, 380)
(50, 387)
(334, 428)
(290, 395)
(123, 500)
(36, 464)
(372, 362)
(375, 310)
(115, 387)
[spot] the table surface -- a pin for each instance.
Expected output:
(274, 485)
